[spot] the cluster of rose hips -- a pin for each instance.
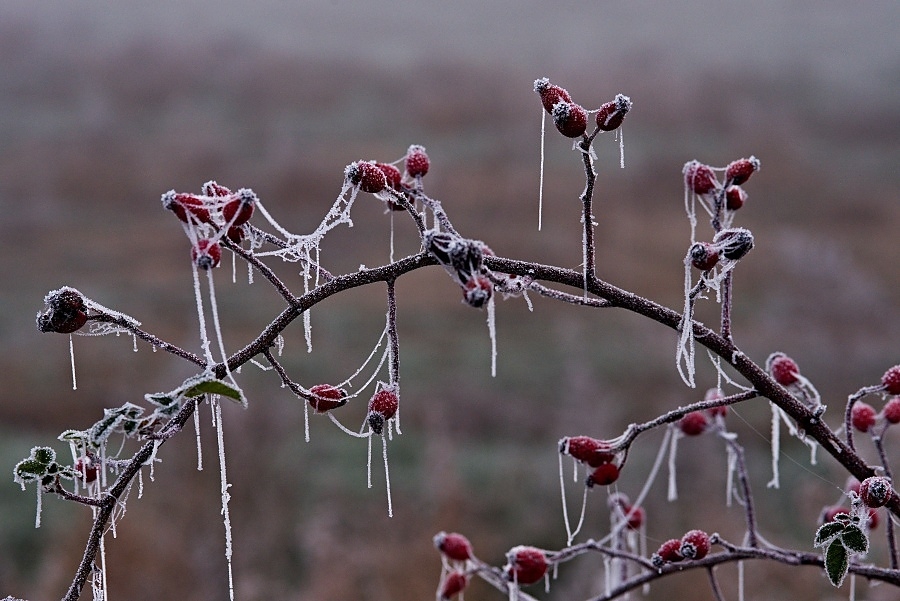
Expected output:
(873, 493)
(864, 417)
(376, 178)
(571, 118)
(695, 544)
(596, 454)
(456, 551)
(382, 407)
(66, 312)
(209, 216)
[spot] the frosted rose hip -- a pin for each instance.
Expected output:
(695, 544)
(782, 368)
(327, 397)
(699, 178)
(453, 545)
(550, 94)
(862, 416)
(417, 162)
(570, 119)
(739, 171)
(525, 565)
(891, 380)
(694, 423)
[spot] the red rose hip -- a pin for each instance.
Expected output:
(327, 397)
(782, 368)
(417, 162)
(550, 94)
(862, 416)
(453, 545)
(695, 544)
(525, 565)
(891, 380)
(739, 171)
(570, 119)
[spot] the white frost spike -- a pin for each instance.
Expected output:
(729, 481)
(103, 585)
(387, 476)
(492, 330)
(204, 338)
(776, 446)
(72, 360)
(621, 137)
(369, 461)
(214, 309)
(673, 449)
(541, 182)
(740, 581)
(226, 497)
(306, 422)
(197, 430)
(570, 532)
(37, 514)
(684, 352)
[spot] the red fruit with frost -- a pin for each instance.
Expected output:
(550, 94)
(86, 468)
(417, 162)
(782, 368)
(694, 423)
(695, 544)
(862, 416)
(586, 449)
(206, 253)
(184, 204)
(668, 552)
(739, 171)
(875, 491)
(704, 256)
(604, 475)
(391, 174)
(239, 210)
(454, 583)
(453, 545)
(735, 197)
(326, 397)
(570, 119)
(236, 234)
(525, 565)
(699, 178)
(891, 411)
(367, 176)
(611, 114)
(634, 517)
(66, 312)
(711, 395)
(382, 406)
(891, 380)
(212, 188)
(477, 290)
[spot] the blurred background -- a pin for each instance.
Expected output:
(106, 105)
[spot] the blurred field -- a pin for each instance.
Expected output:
(106, 106)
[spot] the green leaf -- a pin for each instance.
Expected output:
(837, 562)
(208, 385)
(855, 539)
(79, 437)
(827, 532)
(45, 455)
(29, 469)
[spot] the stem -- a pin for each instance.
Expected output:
(590, 177)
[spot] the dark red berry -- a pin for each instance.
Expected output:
(477, 290)
(206, 253)
(891, 380)
(236, 233)
(326, 397)
(611, 114)
(184, 204)
(695, 544)
(570, 119)
(367, 176)
(525, 565)
(733, 243)
(453, 545)
(891, 410)
(694, 423)
(704, 255)
(862, 416)
(635, 517)
(212, 188)
(417, 162)
(454, 583)
(382, 407)
(782, 368)
(735, 197)
(586, 449)
(699, 178)
(86, 468)
(66, 312)
(739, 171)
(669, 551)
(604, 475)
(875, 491)
(239, 209)
(391, 174)
(550, 94)
(714, 394)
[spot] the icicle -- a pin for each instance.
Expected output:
(204, 339)
(673, 448)
(541, 181)
(392, 240)
(607, 572)
(306, 422)
(37, 513)
(345, 429)
(852, 587)
(492, 330)
(214, 309)
(103, 465)
(369, 461)
(72, 360)
(140, 484)
(776, 447)
(152, 459)
(134, 341)
(740, 581)
(225, 495)
(387, 476)
(103, 567)
(197, 431)
(684, 352)
(729, 480)
(621, 137)
(233, 268)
